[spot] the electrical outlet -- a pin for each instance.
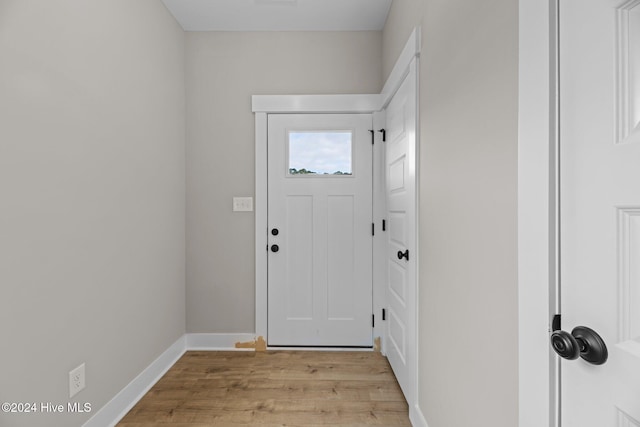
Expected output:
(76, 380)
(243, 204)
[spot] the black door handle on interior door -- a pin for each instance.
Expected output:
(404, 254)
(581, 342)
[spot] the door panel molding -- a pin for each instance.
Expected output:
(628, 282)
(627, 85)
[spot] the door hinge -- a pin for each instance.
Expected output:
(373, 133)
(384, 225)
(556, 323)
(373, 320)
(384, 314)
(384, 134)
(373, 229)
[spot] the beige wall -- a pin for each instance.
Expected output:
(92, 178)
(468, 206)
(223, 71)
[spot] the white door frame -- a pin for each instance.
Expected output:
(537, 216)
(283, 104)
(262, 105)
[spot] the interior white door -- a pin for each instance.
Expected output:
(600, 206)
(400, 170)
(320, 203)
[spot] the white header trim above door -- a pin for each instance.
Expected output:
(315, 103)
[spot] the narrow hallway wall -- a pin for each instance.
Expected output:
(92, 196)
(468, 319)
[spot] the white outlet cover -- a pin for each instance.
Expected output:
(243, 204)
(76, 380)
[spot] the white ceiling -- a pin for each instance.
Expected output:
(280, 15)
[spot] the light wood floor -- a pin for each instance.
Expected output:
(283, 388)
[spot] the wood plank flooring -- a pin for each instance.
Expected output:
(274, 388)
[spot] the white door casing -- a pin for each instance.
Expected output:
(600, 206)
(401, 258)
(320, 278)
(536, 217)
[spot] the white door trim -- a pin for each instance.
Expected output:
(262, 225)
(401, 67)
(344, 104)
(263, 105)
(537, 212)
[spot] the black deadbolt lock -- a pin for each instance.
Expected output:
(275, 232)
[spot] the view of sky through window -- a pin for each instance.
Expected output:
(320, 153)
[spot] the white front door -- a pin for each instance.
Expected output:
(401, 259)
(600, 206)
(320, 230)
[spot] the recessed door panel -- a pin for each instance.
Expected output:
(396, 175)
(341, 258)
(397, 336)
(299, 263)
(397, 282)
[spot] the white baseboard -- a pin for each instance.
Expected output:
(334, 349)
(117, 408)
(416, 417)
(218, 342)
(111, 413)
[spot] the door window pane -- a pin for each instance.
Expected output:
(325, 153)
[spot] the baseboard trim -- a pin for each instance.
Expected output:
(350, 349)
(218, 342)
(416, 417)
(111, 413)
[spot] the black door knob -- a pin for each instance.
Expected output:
(565, 345)
(583, 342)
(275, 248)
(404, 254)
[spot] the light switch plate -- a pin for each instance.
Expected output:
(243, 204)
